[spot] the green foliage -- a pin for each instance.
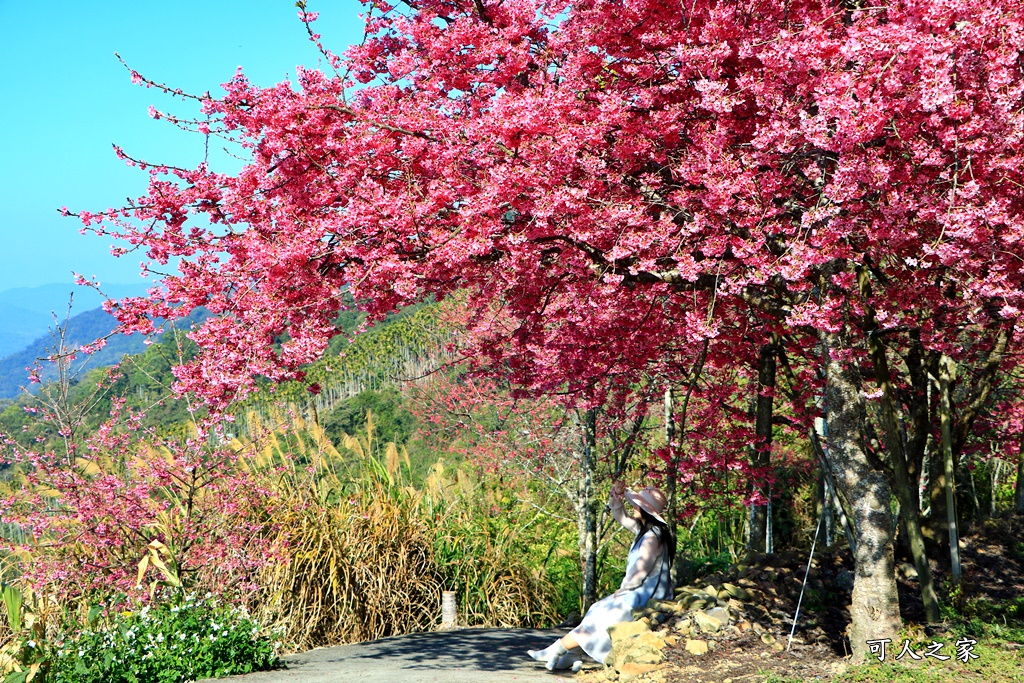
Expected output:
(482, 531)
(978, 616)
(371, 359)
(772, 677)
(995, 664)
(22, 656)
(164, 644)
(393, 421)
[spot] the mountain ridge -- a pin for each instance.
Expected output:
(26, 313)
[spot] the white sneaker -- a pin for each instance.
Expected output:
(570, 660)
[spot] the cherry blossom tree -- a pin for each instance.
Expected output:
(610, 184)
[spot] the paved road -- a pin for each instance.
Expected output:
(462, 656)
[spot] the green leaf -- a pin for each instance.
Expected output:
(13, 598)
(94, 616)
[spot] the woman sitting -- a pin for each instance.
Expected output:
(648, 575)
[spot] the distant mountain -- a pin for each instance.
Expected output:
(83, 328)
(26, 313)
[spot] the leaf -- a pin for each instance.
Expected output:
(143, 566)
(156, 549)
(13, 599)
(8, 656)
(88, 467)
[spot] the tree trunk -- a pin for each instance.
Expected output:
(997, 473)
(673, 470)
(674, 434)
(947, 373)
(874, 610)
(906, 489)
(760, 450)
(824, 510)
(837, 505)
(586, 511)
(975, 501)
(937, 497)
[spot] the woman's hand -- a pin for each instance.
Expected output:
(618, 491)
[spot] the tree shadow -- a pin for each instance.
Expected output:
(473, 649)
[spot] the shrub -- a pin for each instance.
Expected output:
(164, 644)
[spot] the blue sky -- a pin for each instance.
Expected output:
(66, 99)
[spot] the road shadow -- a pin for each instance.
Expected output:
(495, 650)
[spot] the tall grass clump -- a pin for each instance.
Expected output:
(356, 563)
(484, 552)
(366, 555)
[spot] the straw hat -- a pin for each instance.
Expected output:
(651, 500)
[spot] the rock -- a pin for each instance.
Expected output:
(845, 579)
(736, 592)
(633, 669)
(655, 641)
(628, 629)
(767, 639)
(720, 614)
(707, 623)
(743, 625)
(632, 641)
(711, 590)
(641, 654)
(671, 641)
(665, 606)
(758, 628)
(909, 570)
(652, 617)
(684, 626)
(696, 647)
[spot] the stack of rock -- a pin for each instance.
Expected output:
(696, 621)
(747, 601)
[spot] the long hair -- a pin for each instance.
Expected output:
(648, 522)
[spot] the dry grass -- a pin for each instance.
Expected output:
(364, 555)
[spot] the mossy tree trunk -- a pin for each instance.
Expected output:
(874, 610)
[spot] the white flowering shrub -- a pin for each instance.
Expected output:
(165, 644)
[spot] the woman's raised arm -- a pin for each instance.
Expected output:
(617, 504)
